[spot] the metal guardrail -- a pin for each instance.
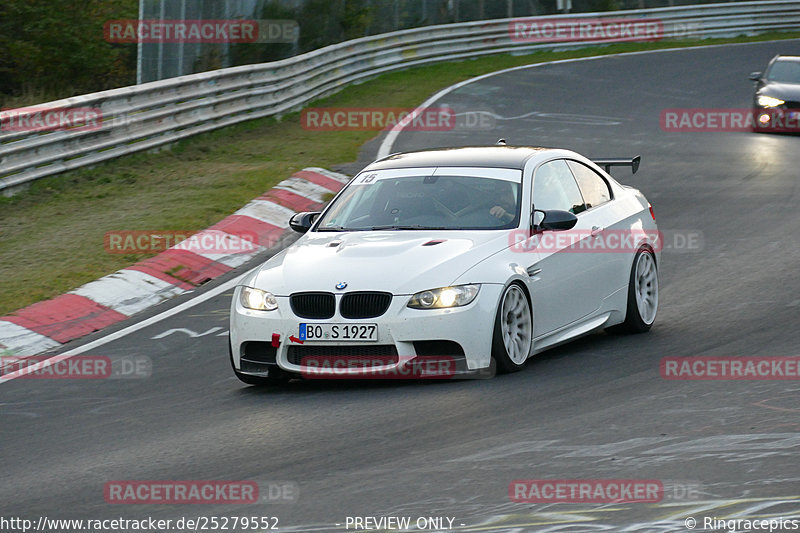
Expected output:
(155, 114)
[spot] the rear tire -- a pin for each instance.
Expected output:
(513, 330)
(642, 294)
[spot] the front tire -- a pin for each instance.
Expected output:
(513, 330)
(642, 294)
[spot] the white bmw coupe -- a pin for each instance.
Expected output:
(472, 258)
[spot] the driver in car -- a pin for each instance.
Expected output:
(506, 204)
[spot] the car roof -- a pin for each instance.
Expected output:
(469, 156)
(787, 58)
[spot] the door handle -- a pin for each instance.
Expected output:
(596, 230)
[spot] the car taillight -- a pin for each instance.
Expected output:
(652, 213)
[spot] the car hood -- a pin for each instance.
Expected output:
(400, 262)
(784, 91)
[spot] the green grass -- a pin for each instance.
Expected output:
(51, 236)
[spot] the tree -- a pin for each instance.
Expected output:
(58, 47)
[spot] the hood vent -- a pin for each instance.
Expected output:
(434, 242)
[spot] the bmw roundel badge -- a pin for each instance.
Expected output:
(341, 285)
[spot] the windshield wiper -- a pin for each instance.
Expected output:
(388, 227)
(405, 227)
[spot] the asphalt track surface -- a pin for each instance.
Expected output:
(595, 408)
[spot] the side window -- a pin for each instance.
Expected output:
(555, 188)
(594, 188)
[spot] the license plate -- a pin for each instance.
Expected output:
(339, 332)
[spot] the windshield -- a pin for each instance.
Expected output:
(784, 72)
(424, 202)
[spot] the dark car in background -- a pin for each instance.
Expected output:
(776, 103)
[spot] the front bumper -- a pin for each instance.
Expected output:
(407, 340)
(781, 119)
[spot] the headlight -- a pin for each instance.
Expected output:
(444, 297)
(768, 101)
(257, 299)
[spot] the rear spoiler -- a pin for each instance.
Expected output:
(632, 162)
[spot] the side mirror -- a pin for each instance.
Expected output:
(556, 220)
(755, 76)
(301, 222)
